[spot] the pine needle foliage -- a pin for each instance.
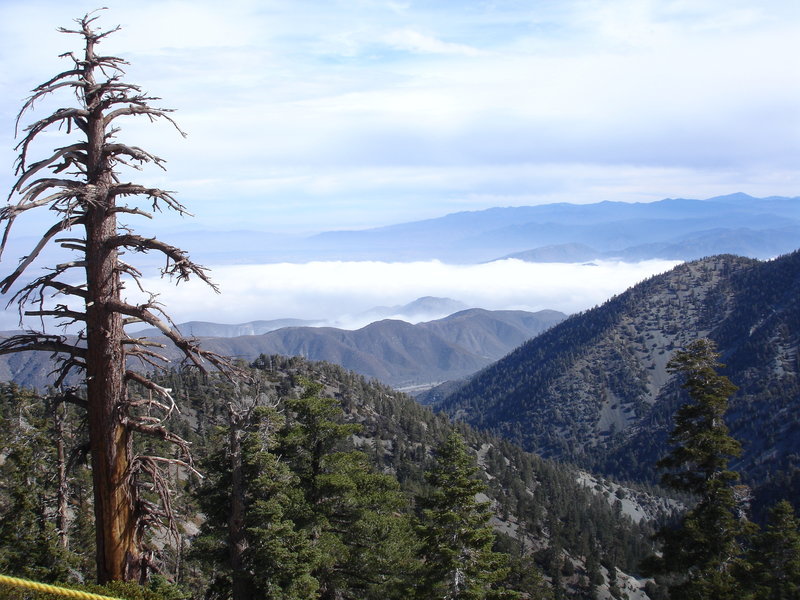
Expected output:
(457, 538)
(702, 556)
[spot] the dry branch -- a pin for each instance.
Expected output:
(78, 183)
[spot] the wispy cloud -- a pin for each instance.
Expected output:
(415, 41)
(313, 94)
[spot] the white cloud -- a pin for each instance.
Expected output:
(309, 111)
(319, 115)
(337, 291)
(415, 41)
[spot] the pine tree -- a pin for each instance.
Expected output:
(524, 575)
(251, 547)
(30, 544)
(702, 555)
(775, 556)
(454, 525)
(363, 544)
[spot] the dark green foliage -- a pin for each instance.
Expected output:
(30, 540)
(361, 451)
(704, 552)
(354, 517)
(319, 521)
(702, 445)
(775, 557)
(249, 545)
(454, 527)
(524, 575)
(30, 545)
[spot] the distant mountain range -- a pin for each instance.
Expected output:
(394, 352)
(743, 241)
(398, 353)
(673, 228)
(422, 309)
(670, 229)
(594, 389)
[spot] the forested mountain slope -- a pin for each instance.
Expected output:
(401, 354)
(544, 507)
(594, 389)
(574, 527)
(394, 352)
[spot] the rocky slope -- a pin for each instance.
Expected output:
(594, 389)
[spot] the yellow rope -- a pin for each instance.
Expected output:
(52, 589)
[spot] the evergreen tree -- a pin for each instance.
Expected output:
(251, 548)
(30, 544)
(362, 541)
(524, 575)
(775, 556)
(457, 538)
(701, 556)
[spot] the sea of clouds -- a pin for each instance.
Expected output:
(336, 293)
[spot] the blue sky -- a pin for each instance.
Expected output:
(310, 115)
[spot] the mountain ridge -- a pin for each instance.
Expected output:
(595, 390)
(422, 309)
(396, 352)
(392, 351)
(484, 235)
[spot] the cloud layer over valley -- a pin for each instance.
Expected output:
(337, 292)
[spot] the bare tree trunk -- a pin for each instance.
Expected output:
(85, 192)
(115, 522)
(118, 542)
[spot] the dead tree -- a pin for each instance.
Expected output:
(81, 184)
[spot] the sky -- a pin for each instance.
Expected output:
(311, 115)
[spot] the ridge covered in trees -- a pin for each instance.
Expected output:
(595, 389)
(335, 481)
